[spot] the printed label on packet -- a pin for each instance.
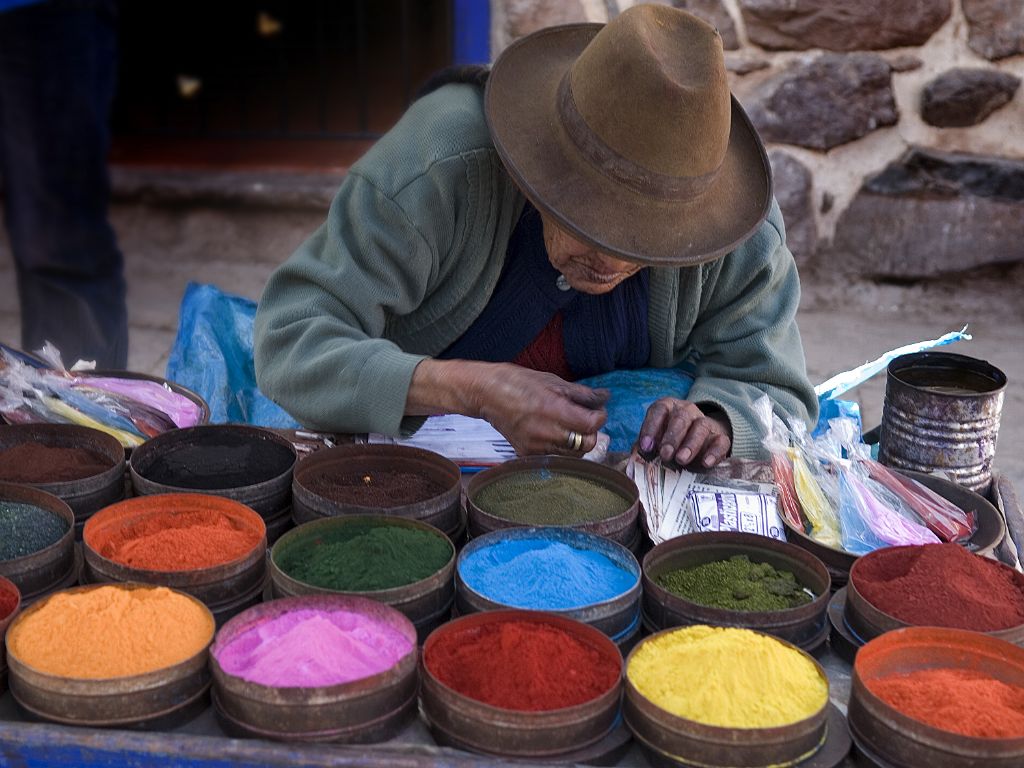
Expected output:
(736, 511)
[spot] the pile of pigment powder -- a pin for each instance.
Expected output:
(523, 665)
(110, 631)
(364, 557)
(941, 585)
(312, 648)
(377, 488)
(38, 463)
(26, 529)
(174, 540)
(543, 497)
(737, 585)
(224, 460)
(963, 701)
(8, 601)
(733, 678)
(543, 574)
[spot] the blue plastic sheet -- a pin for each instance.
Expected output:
(633, 392)
(213, 356)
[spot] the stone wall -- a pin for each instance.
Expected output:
(895, 127)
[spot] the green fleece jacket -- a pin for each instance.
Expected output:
(412, 249)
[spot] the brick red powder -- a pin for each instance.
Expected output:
(38, 463)
(941, 585)
(522, 665)
(178, 541)
(7, 602)
(957, 700)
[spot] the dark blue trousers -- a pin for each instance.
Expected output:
(58, 63)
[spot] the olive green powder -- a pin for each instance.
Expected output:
(365, 557)
(549, 498)
(737, 584)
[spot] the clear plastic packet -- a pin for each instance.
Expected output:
(861, 513)
(149, 398)
(815, 504)
(776, 441)
(857, 536)
(943, 517)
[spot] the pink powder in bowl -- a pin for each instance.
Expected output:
(310, 648)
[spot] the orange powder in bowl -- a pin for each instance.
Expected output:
(110, 631)
(191, 532)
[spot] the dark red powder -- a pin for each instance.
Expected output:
(941, 585)
(957, 700)
(7, 602)
(522, 665)
(380, 488)
(39, 463)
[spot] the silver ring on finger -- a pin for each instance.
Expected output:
(575, 441)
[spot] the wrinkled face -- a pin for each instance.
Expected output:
(586, 269)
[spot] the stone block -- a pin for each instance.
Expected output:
(963, 97)
(794, 191)
(995, 28)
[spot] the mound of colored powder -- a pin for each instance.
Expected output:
(359, 557)
(379, 488)
(523, 665)
(26, 529)
(736, 584)
(177, 540)
(544, 574)
(733, 678)
(941, 585)
(8, 599)
(110, 631)
(544, 497)
(958, 700)
(39, 463)
(310, 648)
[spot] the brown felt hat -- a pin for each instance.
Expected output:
(626, 134)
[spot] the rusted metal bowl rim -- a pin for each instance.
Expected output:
(72, 488)
(153, 445)
(610, 479)
(389, 595)
(574, 537)
(323, 461)
(911, 640)
(945, 361)
(333, 602)
(593, 637)
(27, 494)
(166, 503)
(8, 586)
(685, 727)
(852, 589)
(717, 540)
(151, 679)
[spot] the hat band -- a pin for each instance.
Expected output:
(621, 169)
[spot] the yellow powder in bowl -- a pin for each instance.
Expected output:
(732, 678)
(110, 631)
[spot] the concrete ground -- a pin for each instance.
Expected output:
(234, 241)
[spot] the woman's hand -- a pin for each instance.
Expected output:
(678, 430)
(537, 412)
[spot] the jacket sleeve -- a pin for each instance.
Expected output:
(317, 334)
(746, 340)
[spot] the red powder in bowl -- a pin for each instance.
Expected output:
(941, 585)
(8, 600)
(521, 665)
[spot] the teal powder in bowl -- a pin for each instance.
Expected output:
(543, 574)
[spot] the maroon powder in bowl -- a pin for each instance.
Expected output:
(39, 463)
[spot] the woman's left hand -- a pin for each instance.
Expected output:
(678, 430)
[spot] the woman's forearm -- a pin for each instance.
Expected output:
(446, 386)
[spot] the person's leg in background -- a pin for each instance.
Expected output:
(58, 63)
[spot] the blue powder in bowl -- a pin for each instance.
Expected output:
(543, 574)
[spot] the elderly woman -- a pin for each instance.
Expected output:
(604, 204)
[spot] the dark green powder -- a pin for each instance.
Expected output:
(365, 557)
(549, 498)
(737, 584)
(26, 529)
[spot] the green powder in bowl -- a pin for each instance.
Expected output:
(364, 557)
(543, 497)
(737, 584)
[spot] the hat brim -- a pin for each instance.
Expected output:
(520, 104)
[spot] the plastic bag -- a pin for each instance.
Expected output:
(776, 441)
(213, 356)
(633, 392)
(860, 509)
(815, 505)
(943, 517)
